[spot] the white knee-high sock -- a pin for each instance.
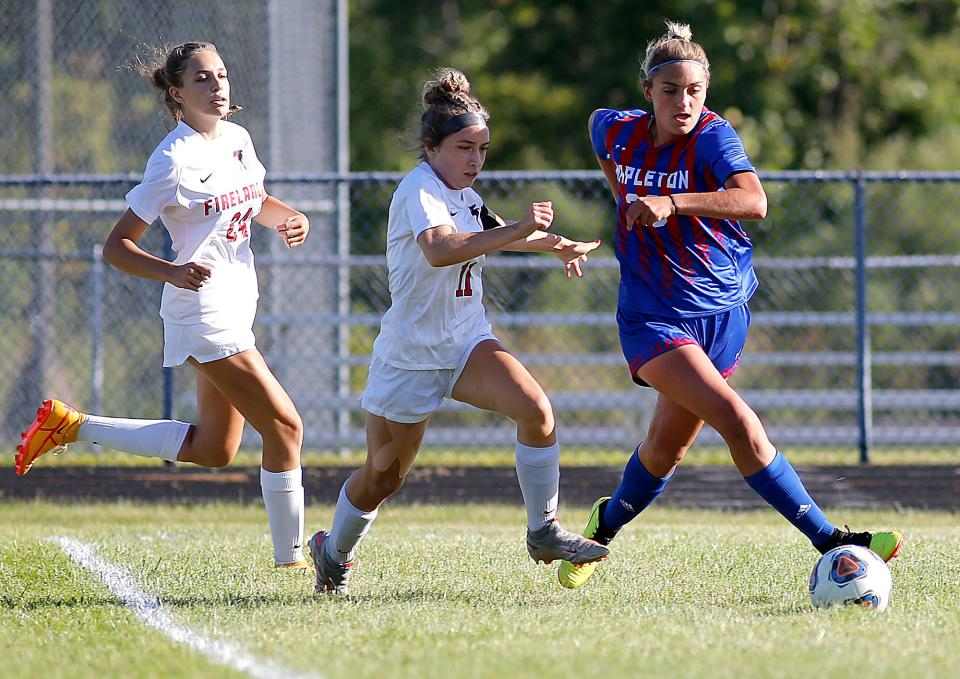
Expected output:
(349, 526)
(283, 498)
(538, 470)
(147, 438)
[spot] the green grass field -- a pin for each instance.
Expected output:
(448, 591)
(80, 455)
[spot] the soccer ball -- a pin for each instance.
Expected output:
(850, 575)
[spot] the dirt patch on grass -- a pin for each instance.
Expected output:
(880, 487)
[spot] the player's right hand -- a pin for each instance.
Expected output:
(649, 211)
(189, 276)
(538, 218)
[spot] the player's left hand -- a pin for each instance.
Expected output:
(573, 254)
(294, 230)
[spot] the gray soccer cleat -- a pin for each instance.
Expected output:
(553, 543)
(332, 577)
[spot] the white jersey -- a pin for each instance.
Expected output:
(434, 311)
(206, 192)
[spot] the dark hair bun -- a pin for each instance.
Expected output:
(448, 84)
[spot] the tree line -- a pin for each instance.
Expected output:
(809, 84)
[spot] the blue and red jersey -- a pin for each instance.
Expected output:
(687, 266)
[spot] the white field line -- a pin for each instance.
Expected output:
(148, 608)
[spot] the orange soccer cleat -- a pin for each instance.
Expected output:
(56, 425)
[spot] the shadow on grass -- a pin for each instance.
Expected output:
(40, 603)
(235, 601)
(432, 597)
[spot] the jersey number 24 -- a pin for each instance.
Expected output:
(238, 225)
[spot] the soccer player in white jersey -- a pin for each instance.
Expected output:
(205, 183)
(435, 342)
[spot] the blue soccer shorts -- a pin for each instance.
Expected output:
(721, 336)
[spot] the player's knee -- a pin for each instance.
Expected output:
(668, 455)
(220, 456)
(739, 426)
(665, 449)
(536, 414)
(209, 448)
(290, 427)
(382, 485)
(392, 485)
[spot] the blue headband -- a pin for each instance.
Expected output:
(457, 123)
(677, 61)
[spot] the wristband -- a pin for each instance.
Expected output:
(676, 210)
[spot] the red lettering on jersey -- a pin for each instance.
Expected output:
(238, 224)
(237, 196)
(464, 286)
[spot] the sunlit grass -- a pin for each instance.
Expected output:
(571, 456)
(442, 591)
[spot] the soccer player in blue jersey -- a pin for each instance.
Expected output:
(682, 184)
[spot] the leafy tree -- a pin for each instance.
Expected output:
(808, 83)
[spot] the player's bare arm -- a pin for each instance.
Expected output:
(743, 198)
(122, 251)
(572, 253)
(444, 245)
(608, 166)
(292, 225)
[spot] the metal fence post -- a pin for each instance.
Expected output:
(864, 386)
(44, 364)
(343, 213)
(168, 382)
(96, 328)
(343, 307)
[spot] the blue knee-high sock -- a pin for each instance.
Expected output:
(783, 490)
(637, 490)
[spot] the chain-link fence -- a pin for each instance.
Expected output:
(73, 106)
(78, 329)
(839, 253)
